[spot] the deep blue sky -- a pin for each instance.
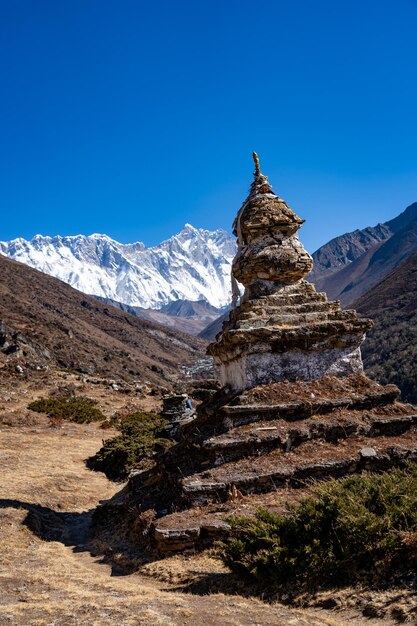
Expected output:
(131, 118)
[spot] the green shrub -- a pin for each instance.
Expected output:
(140, 438)
(81, 410)
(361, 528)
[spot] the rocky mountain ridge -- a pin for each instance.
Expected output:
(345, 249)
(192, 265)
(348, 266)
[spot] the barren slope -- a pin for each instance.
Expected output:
(48, 323)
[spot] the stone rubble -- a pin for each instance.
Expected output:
(176, 412)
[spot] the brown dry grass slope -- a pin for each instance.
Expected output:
(55, 325)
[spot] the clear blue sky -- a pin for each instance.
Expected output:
(131, 118)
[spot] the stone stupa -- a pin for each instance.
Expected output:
(294, 403)
(283, 329)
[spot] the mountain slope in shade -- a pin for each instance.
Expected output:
(44, 322)
(343, 250)
(193, 265)
(390, 349)
(209, 332)
(351, 264)
(200, 309)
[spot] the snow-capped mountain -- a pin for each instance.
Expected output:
(193, 265)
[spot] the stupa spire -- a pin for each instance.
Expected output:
(257, 165)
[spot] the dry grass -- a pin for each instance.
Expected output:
(47, 575)
(43, 479)
(16, 394)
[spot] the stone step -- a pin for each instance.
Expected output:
(292, 298)
(250, 440)
(292, 320)
(240, 414)
(340, 330)
(189, 529)
(282, 319)
(314, 460)
(250, 309)
(344, 314)
(200, 527)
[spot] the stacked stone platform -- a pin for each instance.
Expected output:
(273, 456)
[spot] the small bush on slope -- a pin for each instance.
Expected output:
(359, 529)
(81, 410)
(140, 437)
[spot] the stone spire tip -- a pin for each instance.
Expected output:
(256, 161)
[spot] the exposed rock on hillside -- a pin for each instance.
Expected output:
(345, 249)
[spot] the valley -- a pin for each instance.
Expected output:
(55, 339)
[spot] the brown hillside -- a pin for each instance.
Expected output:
(44, 323)
(390, 350)
(209, 332)
(192, 322)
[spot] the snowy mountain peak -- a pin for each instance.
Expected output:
(189, 228)
(193, 265)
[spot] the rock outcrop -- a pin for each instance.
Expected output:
(294, 405)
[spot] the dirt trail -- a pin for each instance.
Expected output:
(47, 577)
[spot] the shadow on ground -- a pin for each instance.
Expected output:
(216, 582)
(73, 529)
